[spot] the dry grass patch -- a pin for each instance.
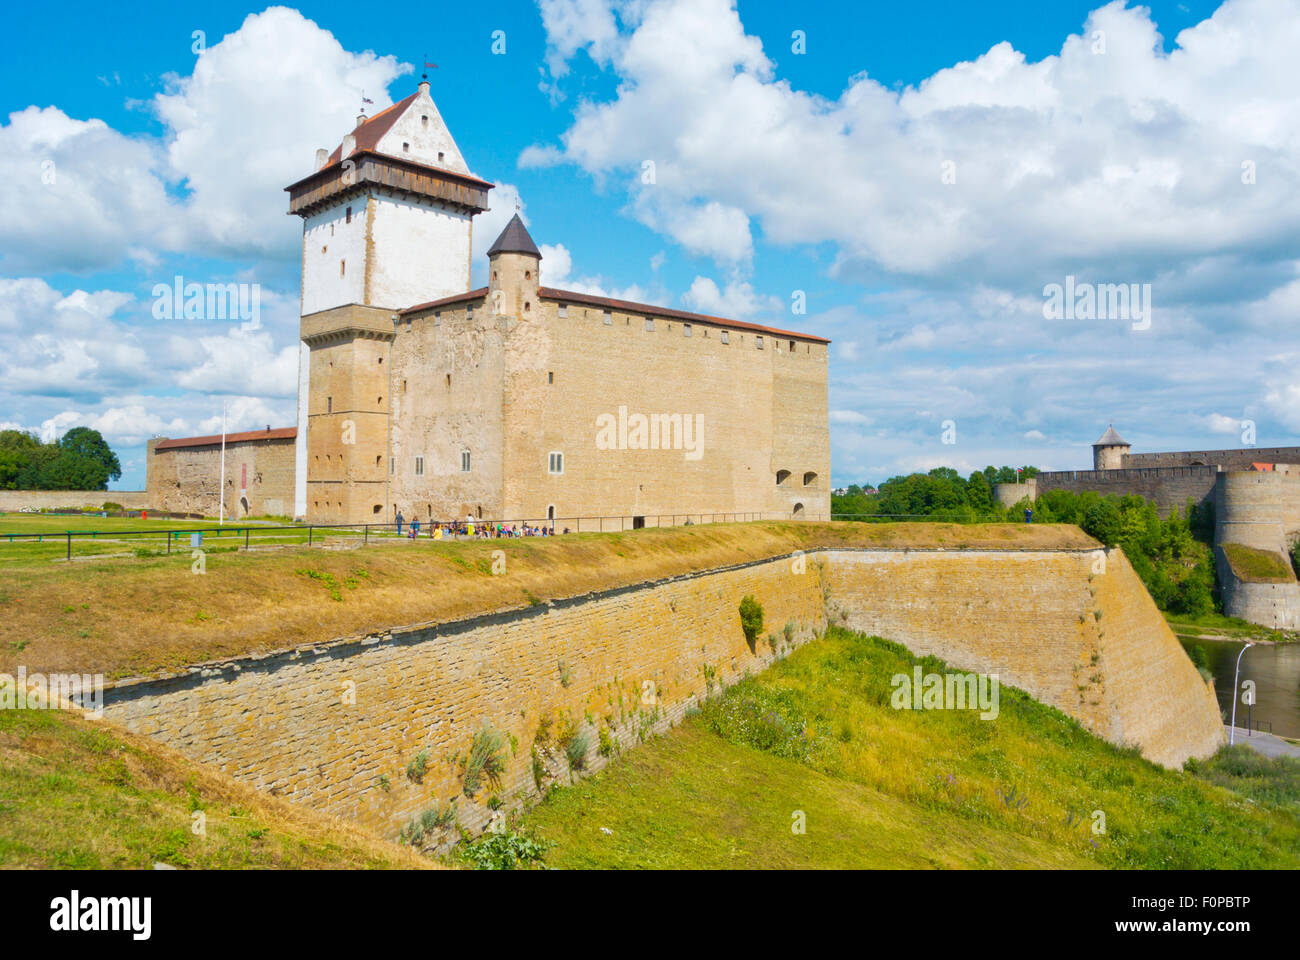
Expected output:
(141, 617)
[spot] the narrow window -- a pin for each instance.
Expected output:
(403, 386)
(726, 336)
(406, 147)
(348, 215)
(329, 404)
(555, 463)
(440, 156)
(343, 268)
(424, 122)
(449, 381)
(379, 401)
(782, 476)
(650, 324)
(563, 310)
(550, 376)
(528, 274)
(392, 466)
(609, 318)
(527, 306)
(464, 461)
(760, 342)
(686, 329)
(379, 460)
(419, 466)
(808, 478)
(792, 346)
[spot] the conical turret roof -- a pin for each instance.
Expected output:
(514, 239)
(1111, 439)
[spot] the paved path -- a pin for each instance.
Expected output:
(1266, 743)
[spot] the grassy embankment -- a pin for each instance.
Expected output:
(1258, 566)
(76, 793)
(881, 787)
(136, 617)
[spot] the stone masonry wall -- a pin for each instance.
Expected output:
(1076, 630)
(15, 500)
(335, 726)
(281, 722)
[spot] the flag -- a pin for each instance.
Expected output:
(427, 64)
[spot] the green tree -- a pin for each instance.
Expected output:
(70, 471)
(91, 445)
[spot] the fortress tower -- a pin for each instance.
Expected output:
(387, 222)
(1108, 453)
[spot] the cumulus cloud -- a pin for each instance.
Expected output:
(79, 195)
(736, 300)
(1112, 161)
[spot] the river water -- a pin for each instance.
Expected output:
(1275, 668)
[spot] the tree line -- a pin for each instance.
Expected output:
(1174, 557)
(80, 460)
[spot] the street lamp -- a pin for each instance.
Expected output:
(1236, 673)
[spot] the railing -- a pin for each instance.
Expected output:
(230, 536)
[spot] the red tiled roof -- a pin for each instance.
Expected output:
(369, 134)
(1263, 467)
(447, 301)
(627, 306)
(280, 433)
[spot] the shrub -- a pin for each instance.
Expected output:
(486, 760)
(504, 851)
(751, 619)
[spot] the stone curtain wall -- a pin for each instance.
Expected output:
(1239, 458)
(1168, 487)
(335, 726)
(12, 501)
(281, 723)
(1091, 644)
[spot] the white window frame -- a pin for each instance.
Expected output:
(464, 461)
(726, 336)
(555, 462)
(419, 466)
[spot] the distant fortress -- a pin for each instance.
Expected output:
(1255, 494)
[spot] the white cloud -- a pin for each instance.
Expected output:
(1079, 159)
(241, 127)
(737, 300)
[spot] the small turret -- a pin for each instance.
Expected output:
(1108, 453)
(514, 272)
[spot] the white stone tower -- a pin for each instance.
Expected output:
(387, 223)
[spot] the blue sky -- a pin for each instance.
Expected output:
(920, 176)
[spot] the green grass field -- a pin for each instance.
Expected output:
(880, 787)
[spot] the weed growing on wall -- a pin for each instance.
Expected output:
(486, 760)
(751, 619)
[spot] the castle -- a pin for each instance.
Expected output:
(511, 401)
(1255, 496)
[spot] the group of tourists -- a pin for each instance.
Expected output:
(474, 529)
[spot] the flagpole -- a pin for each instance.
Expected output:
(221, 511)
